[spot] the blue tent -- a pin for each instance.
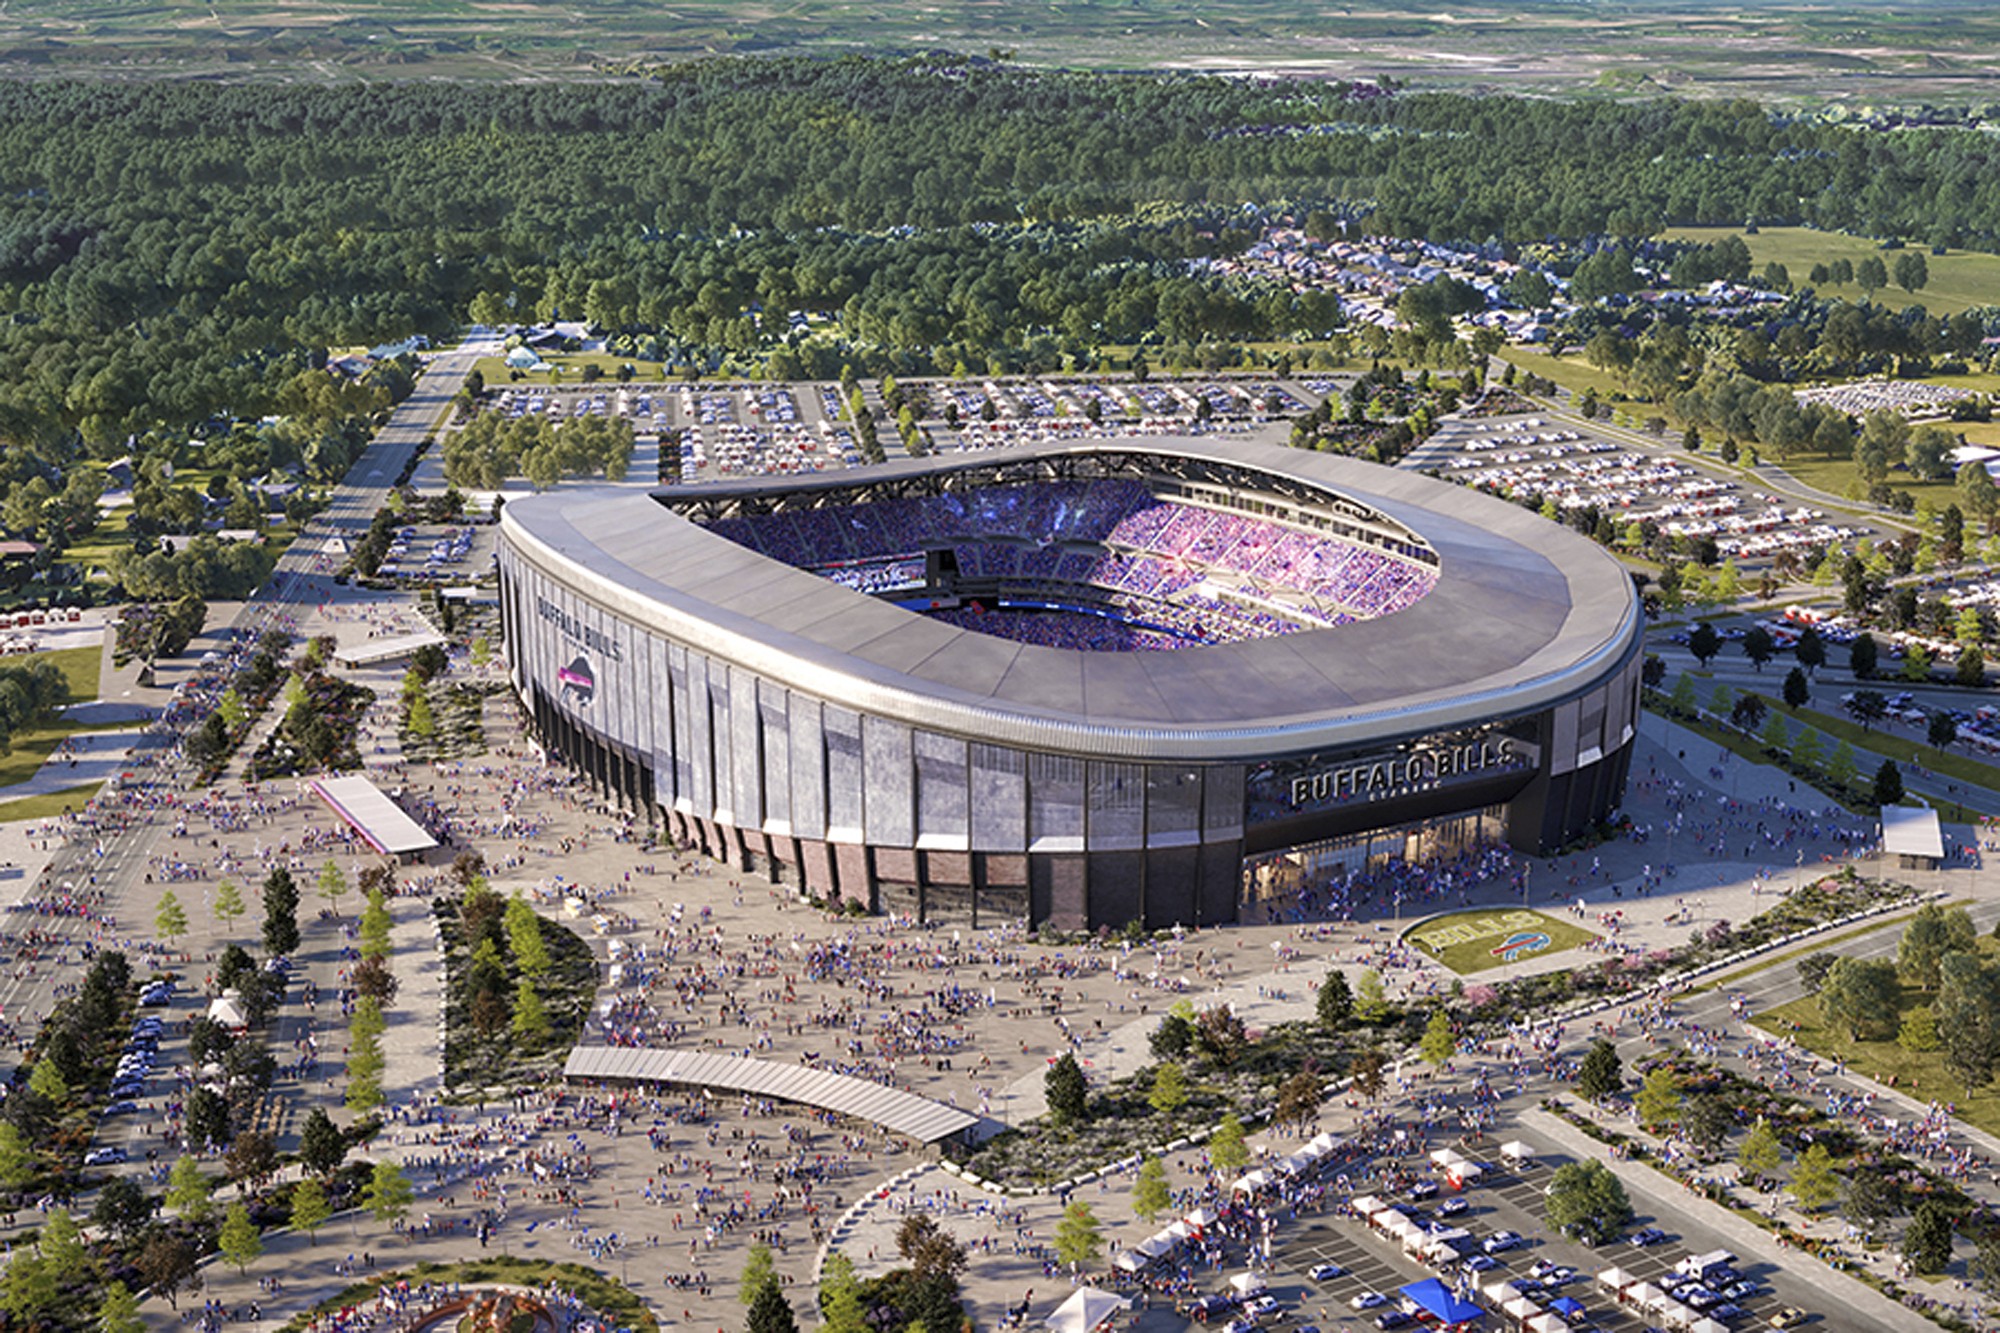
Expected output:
(1567, 1306)
(1437, 1301)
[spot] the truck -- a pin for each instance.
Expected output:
(1702, 1266)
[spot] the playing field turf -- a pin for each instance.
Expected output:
(1468, 942)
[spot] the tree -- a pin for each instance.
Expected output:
(123, 1208)
(1336, 1001)
(1970, 671)
(1859, 994)
(524, 937)
(1967, 1010)
(1439, 1044)
(770, 1312)
(1171, 1039)
(1299, 1098)
(47, 1082)
(931, 1250)
(1707, 1121)
(1912, 271)
(332, 884)
(1067, 1094)
(1814, 1183)
(1942, 731)
(1872, 275)
(1169, 1092)
(17, 1159)
(170, 920)
(1797, 693)
(531, 1017)
(1927, 1240)
(1919, 1031)
(168, 1263)
(252, 1158)
(841, 1307)
(1371, 1000)
(1586, 1201)
(1150, 1195)
(1601, 1074)
(1227, 1152)
(1368, 1071)
(1659, 1100)
(1078, 1238)
(376, 923)
(1840, 769)
(238, 1240)
(281, 912)
(310, 1207)
(1869, 1198)
(207, 1118)
(1810, 650)
(1985, 1266)
(28, 1288)
(188, 1190)
(1759, 646)
(1866, 707)
(1863, 655)
(1704, 643)
(63, 1249)
(1760, 1153)
(322, 1147)
(118, 1312)
(388, 1195)
(1932, 933)
(759, 1268)
(1888, 784)
(228, 905)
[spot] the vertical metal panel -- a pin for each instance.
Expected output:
(808, 767)
(777, 754)
(843, 774)
(682, 739)
(1562, 744)
(1117, 806)
(1222, 802)
(1056, 790)
(999, 787)
(941, 792)
(1173, 805)
(746, 761)
(887, 784)
(701, 737)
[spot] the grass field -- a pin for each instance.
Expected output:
(48, 805)
(1469, 942)
(1920, 1074)
(1959, 280)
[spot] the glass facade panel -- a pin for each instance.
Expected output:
(1173, 806)
(777, 753)
(999, 799)
(1055, 803)
(843, 774)
(941, 791)
(887, 782)
(1117, 806)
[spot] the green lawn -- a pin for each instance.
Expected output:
(49, 805)
(1920, 1074)
(1572, 372)
(1469, 942)
(1961, 767)
(1958, 281)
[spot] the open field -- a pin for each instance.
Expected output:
(50, 805)
(1810, 53)
(1959, 280)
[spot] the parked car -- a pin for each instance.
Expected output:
(1394, 1319)
(1263, 1307)
(1211, 1307)
(1425, 1189)
(103, 1156)
(1368, 1300)
(1789, 1317)
(1481, 1263)
(1648, 1236)
(1501, 1241)
(1323, 1272)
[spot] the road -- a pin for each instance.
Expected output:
(105, 864)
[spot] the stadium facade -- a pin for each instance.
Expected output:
(798, 674)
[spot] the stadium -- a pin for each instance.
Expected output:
(1084, 683)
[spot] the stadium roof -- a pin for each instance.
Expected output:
(379, 820)
(1524, 614)
(900, 1112)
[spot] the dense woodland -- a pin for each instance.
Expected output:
(170, 252)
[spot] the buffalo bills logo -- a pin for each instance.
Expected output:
(1521, 942)
(578, 684)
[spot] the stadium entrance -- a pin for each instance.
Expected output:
(1273, 881)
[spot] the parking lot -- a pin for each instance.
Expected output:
(1511, 1201)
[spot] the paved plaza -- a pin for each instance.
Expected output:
(717, 959)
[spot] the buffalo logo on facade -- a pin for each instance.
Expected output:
(578, 684)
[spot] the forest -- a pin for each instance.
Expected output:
(175, 252)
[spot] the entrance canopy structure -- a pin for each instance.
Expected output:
(370, 812)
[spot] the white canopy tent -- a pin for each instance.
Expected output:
(1086, 1308)
(1522, 1308)
(1516, 1152)
(1645, 1293)
(1201, 1217)
(1129, 1262)
(1547, 1323)
(1368, 1205)
(1501, 1292)
(1615, 1279)
(1707, 1325)
(1247, 1284)
(1250, 1184)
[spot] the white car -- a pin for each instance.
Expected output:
(1368, 1300)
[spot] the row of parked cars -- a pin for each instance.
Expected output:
(135, 1066)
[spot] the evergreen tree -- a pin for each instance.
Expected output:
(170, 920)
(1066, 1091)
(1336, 1001)
(188, 1190)
(228, 905)
(281, 912)
(1078, 1237)
(759, 1268)
(1601, 1073)
(388, 1194)
(770, 1312)
(332, 884)
(524, 937)
(1659, 1100)
(1439, 1043)
(118, 1311)
(322, 1147)
(1760, 1153)
(1227, 1151)
(1927, 1240)
(1169, 1092)
(840, 1303)
(1814, 1184)
(531, 1017)
(1371, 1001)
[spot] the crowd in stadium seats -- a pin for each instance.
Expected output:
(1155, 557)
(1063, 629)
